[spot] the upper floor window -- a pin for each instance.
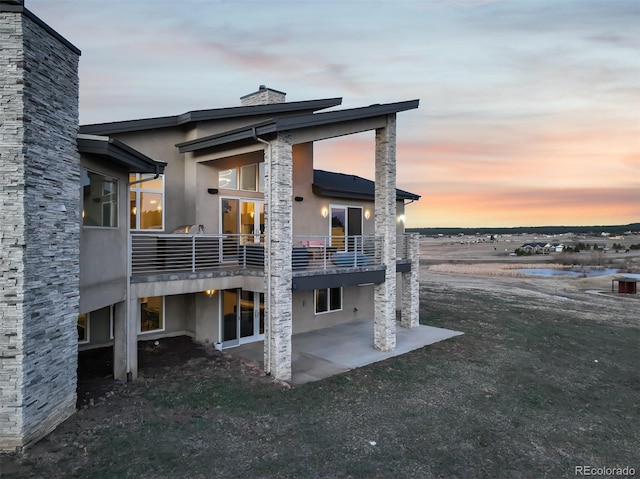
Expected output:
(99, 200)
(146, 198)
(245, 178)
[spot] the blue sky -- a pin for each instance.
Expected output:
(529, 109)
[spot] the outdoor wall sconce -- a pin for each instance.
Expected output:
(298, 198)
(212, 191)
(401, 219)
(325, 212)
(367, 214)
(210, 292)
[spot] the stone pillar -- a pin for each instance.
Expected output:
(385, 226)
(410, 315)
(278, 270)
(120, 341)
(39, 227)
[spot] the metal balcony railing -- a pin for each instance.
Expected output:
(332, 252)
(174, 253)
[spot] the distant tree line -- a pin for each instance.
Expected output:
(533, 230)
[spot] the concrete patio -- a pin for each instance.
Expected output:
(330, 351)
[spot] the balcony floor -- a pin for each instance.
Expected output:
(330, 351)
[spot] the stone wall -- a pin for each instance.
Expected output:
(39, 229)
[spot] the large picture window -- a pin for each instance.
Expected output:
(99, 200)
(146, 202)
(152, 314)
(328, 300)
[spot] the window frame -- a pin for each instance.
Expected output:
(162, 316)
(87, 339)
(137, 189)
(113, 180)
(328, 291)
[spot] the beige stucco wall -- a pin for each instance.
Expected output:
(357, 303)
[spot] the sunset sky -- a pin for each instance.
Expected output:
(529, 109)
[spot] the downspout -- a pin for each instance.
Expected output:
(267, 366)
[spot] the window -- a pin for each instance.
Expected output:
(146, 202)
(99, 200)
(246, 178)
(228, 179)
(152, 314)
(83, 328)
(328, 300)
(261, 177)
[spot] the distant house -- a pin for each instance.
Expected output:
(542, 248)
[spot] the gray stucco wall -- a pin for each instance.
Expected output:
(39, 221)
(103, 276)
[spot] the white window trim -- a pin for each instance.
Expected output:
(164, 319)
(315, 292)
(136, 189)
(117, 182)
(88, 330)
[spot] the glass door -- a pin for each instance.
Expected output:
(346, 227)
(242, 317)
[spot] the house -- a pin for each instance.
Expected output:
(212, 224)
(542, 248)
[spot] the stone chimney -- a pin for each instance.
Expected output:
(39, 227)
(264, 96)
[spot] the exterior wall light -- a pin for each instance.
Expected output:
(210, 292)
(325, 212)
(367, 214)
(401, 219)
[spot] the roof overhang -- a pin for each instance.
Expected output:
(207, 115)
(116, 152)
(268, 129)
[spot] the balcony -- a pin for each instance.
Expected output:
(153, 254)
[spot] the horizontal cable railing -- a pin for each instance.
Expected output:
(166, 253)
(173, 253)
(332, 252)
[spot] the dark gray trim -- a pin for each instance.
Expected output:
(295, 123)
(18, 7)
(309, 283)
(206, 115)
(403, 266)
(117, 152)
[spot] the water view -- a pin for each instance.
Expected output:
(575, 273)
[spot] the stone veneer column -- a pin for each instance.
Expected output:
(410, 316)
(385, 225)
(39, 227)
(278, 271)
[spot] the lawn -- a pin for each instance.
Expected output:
(532, 389)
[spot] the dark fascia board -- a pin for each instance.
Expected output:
(295, 123)
(205, 115)
(117, 152)
(351, 195)
(18, 7)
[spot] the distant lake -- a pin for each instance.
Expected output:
(574, 273)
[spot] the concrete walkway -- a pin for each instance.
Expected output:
(330, 351)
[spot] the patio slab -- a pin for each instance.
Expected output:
(326, 352)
